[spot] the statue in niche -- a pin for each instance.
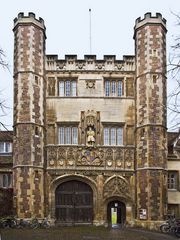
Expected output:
(90, 136)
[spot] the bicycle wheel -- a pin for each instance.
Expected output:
(165, 228)
(13, 223)
(45, 225)
(5, 224)
(177, 232)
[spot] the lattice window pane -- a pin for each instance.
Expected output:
(7, 147)
(113, 88)
(61, 88)
(2, 147)
(61, 135)
(113, 136)
(107, 88)
(119, 88)
(106, 136)
(68, 88)
(73, 88)
(172, 181)
(67, 135)
(74, 135)
(119, 136)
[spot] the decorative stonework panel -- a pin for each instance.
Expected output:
(106, 157)
(116, 186)
(90, 83)
(119, 157)
(91, 157)
(129, 158)
(51, 86)
(90, 128)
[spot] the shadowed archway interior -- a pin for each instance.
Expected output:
(116, 213)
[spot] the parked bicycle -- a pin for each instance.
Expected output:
(34, 223)
(171, 225)
(22, 223)
(8, 222)
(12, 222)
(40, 224)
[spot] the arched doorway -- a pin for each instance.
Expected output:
(74, 203)
(116, 213)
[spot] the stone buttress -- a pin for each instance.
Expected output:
(29, 121)
(151, 159)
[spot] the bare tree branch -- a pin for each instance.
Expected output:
(174, 74)
(3, 106)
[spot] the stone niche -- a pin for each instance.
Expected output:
(90, 128)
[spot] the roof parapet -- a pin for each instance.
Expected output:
(148, 15)
(149, 19)
(30, 18)
(90, 63)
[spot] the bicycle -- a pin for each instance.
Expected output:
(8, 222)
(171, 225)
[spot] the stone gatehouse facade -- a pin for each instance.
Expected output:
(90, 137)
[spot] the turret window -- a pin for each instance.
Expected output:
(172, 180)
(6, 180)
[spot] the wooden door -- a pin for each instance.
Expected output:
(74, 202)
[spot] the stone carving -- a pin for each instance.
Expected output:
(119, 154)
(90, 118)
(90, 157)
(51, 162)
(90, 128)
(52, 154)
(70, 157)
(119, 157)
(116, 186)
(99, 66)
(62, 156)
(80, 65)
(119, 66)
(61, 66)
(51, 86)
(129, 157)
(90, 136)
(109, 154)
(109, 163)
(90, 83)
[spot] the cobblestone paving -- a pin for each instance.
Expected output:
(83, 233)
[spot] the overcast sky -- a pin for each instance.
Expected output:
(67, 29)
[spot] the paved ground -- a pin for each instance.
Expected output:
(83, 233)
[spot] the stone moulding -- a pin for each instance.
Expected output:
(83, 156)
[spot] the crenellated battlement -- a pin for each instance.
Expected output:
(108, 63)
(149, 19)
(30, 18)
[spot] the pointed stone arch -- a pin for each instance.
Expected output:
(65, 178)
(116, 186)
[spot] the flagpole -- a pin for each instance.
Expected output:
(90, 38)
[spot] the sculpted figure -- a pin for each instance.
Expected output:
(90, 136)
